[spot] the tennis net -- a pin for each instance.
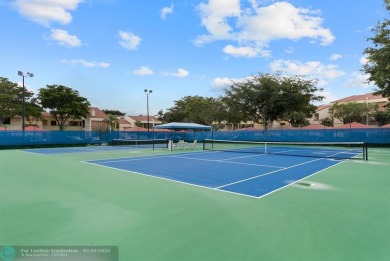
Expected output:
(154, 143)
(334, 150)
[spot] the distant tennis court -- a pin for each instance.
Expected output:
(120, 144)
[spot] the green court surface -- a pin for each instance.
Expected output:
(58, 200)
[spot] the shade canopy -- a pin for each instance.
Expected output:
(182, 126)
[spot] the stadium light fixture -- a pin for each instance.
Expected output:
(147, 92)
(24, 97)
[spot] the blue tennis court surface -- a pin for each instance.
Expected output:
(253, 175)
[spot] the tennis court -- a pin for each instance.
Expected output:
(251, 175)
(191, 204)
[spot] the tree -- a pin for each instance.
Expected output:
(63, 104)
(382, 117)
(9, 93)
(11, 100)
(33, 111)
(378, 56)
(232, 113)
(296, 118)
(328, 121)
(160, 115)
(114, 112)
(197, 109)
(254, 97)
(113, 117)
(265, 98)
(352, 111)
(113, 121)
(296, 100)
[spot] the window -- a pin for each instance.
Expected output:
(53, 123)
(75, 123)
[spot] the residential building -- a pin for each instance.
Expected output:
(130, 121)
(123, 124)
(322, 111)
(97, 120)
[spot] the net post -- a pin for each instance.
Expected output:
(153, 137)
(365, 148)
(265, 148)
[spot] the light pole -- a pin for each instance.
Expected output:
(147, 92)
(23, 97)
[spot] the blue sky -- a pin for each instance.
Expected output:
(111, 50)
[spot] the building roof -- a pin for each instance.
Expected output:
(362, 97)
(45, 114)
(144, 118)
(322, 107)
(98, 113)
(123, 121)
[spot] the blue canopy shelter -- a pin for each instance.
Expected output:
(183, 126)
(180, 126)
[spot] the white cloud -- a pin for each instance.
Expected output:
(221, 83)
(143, 70)
(181, 73)
(214, 17)
(86, 63)
(245, 51)
(359, 80)
(329, 97)
(47, 11)
(363, 60)
(312, 69)
(335, 57)
(166, 11)
(129, 40)
(258, 26)
(64, 38)
(283, 21)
